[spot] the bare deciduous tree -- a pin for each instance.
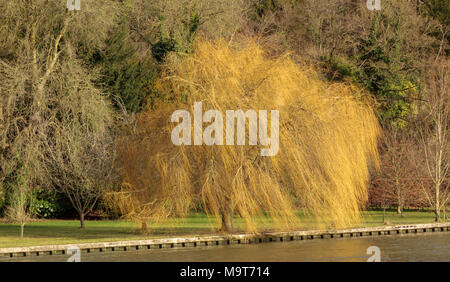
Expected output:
(78, 156)
(433, 129)
(397, 170)
(50, 112)
(17, 210)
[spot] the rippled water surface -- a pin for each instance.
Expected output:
(406, 247)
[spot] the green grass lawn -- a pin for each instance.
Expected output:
(54, 232)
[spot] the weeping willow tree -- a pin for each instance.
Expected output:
(327, 144)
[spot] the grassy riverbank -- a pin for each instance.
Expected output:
(54, 232)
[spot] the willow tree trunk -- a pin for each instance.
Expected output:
(227, 222)
(144, 228)
(227, 218)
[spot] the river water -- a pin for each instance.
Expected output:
(405, 247)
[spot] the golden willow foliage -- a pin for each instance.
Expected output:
(328, 142)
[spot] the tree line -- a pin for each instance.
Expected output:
(83, 91)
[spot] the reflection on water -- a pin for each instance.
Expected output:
(407, 247)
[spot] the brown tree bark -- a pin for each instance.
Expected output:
(144, 228)
(82, 220)
(437, 214)
(22, 225)
(227, 219)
